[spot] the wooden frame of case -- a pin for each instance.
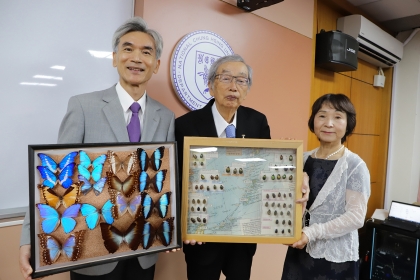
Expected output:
(93, 241)
(199, 192)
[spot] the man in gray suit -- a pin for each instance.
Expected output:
(103, 116)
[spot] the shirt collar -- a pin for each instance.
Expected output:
(220, 122)
(126, 100)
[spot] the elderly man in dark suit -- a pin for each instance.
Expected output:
(108, 116)
(230, 79)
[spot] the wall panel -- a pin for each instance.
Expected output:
(368, 151)
(327, 17)
(367, 102)
(375, 201)
(365, 72)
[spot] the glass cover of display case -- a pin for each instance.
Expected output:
(241, 190)
(97, 203)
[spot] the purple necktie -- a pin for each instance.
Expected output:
(133, 127)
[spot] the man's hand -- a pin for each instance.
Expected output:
(301, 243)
(24, 256)
(173, 250)
(305, 191)
(193, 242)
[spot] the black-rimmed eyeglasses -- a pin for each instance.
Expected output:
(240, 81)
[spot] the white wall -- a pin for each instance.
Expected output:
(404, 149)
(36, 35)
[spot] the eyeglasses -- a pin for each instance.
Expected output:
(227, 79)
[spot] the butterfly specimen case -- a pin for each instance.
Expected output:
(241, 190)
(96, 203)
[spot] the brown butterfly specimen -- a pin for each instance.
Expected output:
(127, 187)
(113, 237)
(52, 249)
(128, 164)
(69, 197)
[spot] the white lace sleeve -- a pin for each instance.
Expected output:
(357, 195)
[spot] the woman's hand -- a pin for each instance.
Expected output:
(186, 242)
(305, 191)
(193, 242)
(301, 243)
(173, 250)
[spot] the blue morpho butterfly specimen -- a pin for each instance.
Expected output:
(126, 205)
(85, 175)
(113, 237)
(92, 214)
(63, 178)
(155, 161)
(163, 232)
(161, 205)
(127, 187)
(52, 249)
(156, 181)
(49, 163)
(54, 173)
(86, 163)
(52, 218)
(128, 164)
(69, 197)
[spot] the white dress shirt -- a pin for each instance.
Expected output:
(126, 101)
(220, 122)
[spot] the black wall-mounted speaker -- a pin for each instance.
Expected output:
(336, 51)
(252, 5)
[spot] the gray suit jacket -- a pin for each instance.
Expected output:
(98, 117)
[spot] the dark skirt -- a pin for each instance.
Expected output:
(299, 265)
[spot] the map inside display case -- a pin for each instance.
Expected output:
(242, 190)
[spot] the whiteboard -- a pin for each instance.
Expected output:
(35, 36)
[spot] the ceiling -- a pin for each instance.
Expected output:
(394, 15)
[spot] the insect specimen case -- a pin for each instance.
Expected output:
(96, 203)
(241, 190)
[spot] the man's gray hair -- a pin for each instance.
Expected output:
(229, 58)
(137, 24)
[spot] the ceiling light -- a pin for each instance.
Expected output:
(48, 77)
(47, 85)
(204, 150)
(100, 54)
(38, 84)
(250, 159)
(58, 67)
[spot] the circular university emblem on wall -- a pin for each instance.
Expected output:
(190, 63)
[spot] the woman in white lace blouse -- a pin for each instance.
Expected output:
(339, 191)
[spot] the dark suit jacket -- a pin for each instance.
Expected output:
(249, 122)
